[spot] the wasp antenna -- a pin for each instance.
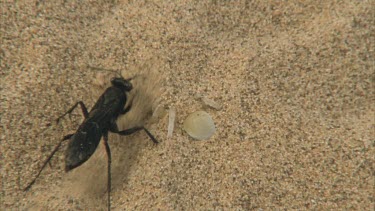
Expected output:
(107, 70)
(131, 78)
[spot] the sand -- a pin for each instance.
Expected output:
(295, 81)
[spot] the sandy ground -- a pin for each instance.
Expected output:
(295, 80)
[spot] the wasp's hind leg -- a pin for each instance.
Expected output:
(47, 160)
(108, 150)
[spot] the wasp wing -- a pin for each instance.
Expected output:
(108, 107)
(82, 145)
(85, 141)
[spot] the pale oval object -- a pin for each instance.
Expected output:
(199, 125)
(172, 117)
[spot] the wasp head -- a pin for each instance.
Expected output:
(122, 83)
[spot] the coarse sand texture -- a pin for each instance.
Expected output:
(289, 85)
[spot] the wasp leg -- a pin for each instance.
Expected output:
(114, 129)
(47, 161)
(126, 110)
(83, 107)
(105, 135)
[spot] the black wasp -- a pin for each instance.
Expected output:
(101, 119)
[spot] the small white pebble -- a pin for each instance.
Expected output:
(208, 102)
